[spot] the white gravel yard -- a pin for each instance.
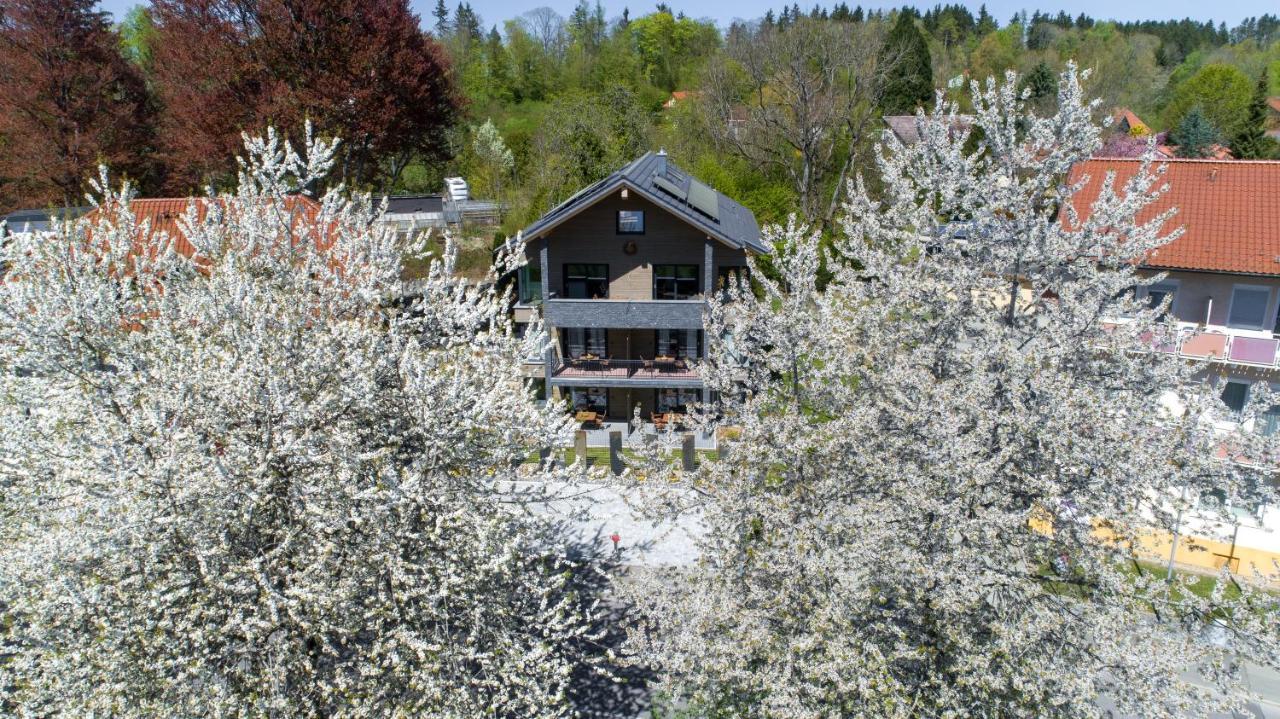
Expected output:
(596, 511)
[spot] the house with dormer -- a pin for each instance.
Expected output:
(620, 272)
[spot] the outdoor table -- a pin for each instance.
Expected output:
(585, 416)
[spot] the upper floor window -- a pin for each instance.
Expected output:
(630, 222)
(1158, 293)
(731, 277)
(1249, 307)
(684, 344)
(586, 282)
(530, 283)
(675, 282)
(586, 340)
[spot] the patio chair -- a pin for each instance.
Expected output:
(659, 420)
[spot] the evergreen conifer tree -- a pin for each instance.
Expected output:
(910, 77)
(1195, 135)
(1252, 143)
(441, 14)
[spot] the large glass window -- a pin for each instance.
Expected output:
(530, 284)
(592, 399)
(683, 344)
(586, 282)
(1249, 307)
(1235, 394)
(630, 222)
(586, 340)
(676, 400)
(675, 282)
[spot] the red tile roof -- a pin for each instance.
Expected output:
(1229, 211)
(162, 215)
(1130, 121)
(1274, 103)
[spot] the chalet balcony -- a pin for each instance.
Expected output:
(1215, 343)
(626, 373)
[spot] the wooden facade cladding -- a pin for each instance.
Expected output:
(592, 237)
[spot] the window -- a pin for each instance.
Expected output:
(530, 284)
(1235, 394)
(586, 340)
(1248, 307)
(630, 222)
(1158, 293)
(586, 282)
(1271, 420)
(676, 400)
(594, 399)
(731, 276)
(679, 343)
(675, 282)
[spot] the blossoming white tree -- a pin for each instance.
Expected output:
(947, 457)
(257, 483)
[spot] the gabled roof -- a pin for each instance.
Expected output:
(904, 127)
(162, 214)
(1229, 211)
(657, 179)
(1274, 103)
(1127, 120)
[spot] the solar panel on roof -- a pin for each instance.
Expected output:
(670, 188)
(704, 200)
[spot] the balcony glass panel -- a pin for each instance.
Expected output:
(1253, 350)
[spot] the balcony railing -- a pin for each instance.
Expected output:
(624, 314)
(1213, 343)
(611, 369)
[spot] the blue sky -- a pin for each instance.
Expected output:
(493, 12)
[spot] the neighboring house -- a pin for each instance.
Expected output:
(1273, 117)
(620, 271)
(678, 97)
(408, 214)
(1126, 121)
(1223, 283)
(907, 129)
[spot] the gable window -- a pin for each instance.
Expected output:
(684, 344)
(1248, 307)
(630, 222)
(1235, 394)
(586, 340)
(675, 282)
(586, 282)
(530, 284)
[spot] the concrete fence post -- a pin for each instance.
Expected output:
(688, 448)
(580, 447)
(615, 451)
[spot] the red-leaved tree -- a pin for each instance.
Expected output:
(359, 69)
(68, 101)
